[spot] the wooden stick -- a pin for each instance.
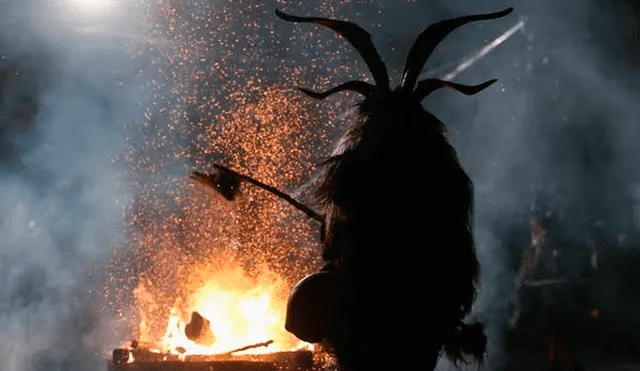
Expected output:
(252, 346)
(292, 201)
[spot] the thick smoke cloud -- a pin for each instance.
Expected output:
(65, 98)
(71, 87)
(560, 122)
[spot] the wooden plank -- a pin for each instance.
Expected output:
(194, 366)
(145, 360)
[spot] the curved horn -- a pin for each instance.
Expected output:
(428, 86)
(429, 39)
(356, 36)
(357, 86)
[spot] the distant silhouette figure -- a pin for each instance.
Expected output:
(545, 288)
(397, 207)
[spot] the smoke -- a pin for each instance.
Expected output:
(561, 122)
(65, 98)
(69, 85)
(558, 122)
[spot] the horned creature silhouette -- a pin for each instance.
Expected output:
(400, 250)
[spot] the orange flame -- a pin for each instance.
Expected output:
(242, 310)
(271, 133)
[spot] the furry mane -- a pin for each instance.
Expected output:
(398, 212)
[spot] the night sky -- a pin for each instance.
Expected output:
(106, 107)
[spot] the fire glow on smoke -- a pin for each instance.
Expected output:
(232, 262)
(223, 91)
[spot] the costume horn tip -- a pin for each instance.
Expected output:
(284, 16)
(312, 94)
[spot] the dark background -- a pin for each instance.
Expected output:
(75, 89)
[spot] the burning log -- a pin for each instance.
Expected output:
(253, 346)
(199, 330)
(140, 359)
(140, 344)
(120, 356)
(196, 366)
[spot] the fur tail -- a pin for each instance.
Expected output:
(465, 343)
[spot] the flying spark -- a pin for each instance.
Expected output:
(471, 60)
